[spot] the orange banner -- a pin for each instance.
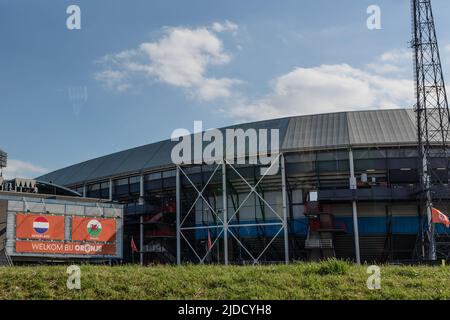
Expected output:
(65, 248)
(39, 226)
(93, 229)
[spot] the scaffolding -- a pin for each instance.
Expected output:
(223, 226)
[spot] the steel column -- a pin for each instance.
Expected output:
(178, 215)
(353, 186)
(110, 189)
(141, 239)
(225, 212)
(429, 206)
(285, 215)
(141, 189)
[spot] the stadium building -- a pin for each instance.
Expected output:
(347, 185)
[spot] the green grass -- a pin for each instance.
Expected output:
(327, 280)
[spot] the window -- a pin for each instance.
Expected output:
(402, 153)
(370, 164)
(153, 176)
(78, 189)
(169, 174)
(369, 154)
(94, 187)
(136, 179)
(332, 155)
(121, 182)
(194, 169)
(302, 157)
(105, 185)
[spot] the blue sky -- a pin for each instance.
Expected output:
(139, 69)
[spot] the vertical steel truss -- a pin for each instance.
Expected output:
(433, 125)
(225, 224)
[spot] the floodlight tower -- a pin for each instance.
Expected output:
(3, 161)
(433, 122)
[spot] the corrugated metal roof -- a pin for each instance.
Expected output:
(312, 132)
(316, 131)
(383, 127)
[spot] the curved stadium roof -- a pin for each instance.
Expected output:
(300, 133)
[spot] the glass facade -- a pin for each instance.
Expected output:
(387, 186)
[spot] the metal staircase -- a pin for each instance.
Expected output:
(160, 232)
(321, 232)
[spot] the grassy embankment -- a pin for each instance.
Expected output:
(326, 280)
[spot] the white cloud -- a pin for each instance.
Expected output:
(226, 26)
(396, 62)
(384, 83)
(386, 68)
(397, 56)
(213, 88)
(181, 57)
(113, 79)
(327, 88)
(22, 169)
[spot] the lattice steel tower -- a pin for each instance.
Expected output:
(3, 162)
(433, 125)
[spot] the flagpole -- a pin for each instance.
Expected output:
(133, 249)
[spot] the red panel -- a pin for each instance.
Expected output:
(65, 248)
(39, 226)
(93, 229)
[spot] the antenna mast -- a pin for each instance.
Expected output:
(433, 125)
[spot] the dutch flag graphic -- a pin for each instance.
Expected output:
(40, 225)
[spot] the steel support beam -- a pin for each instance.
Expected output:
(225, 219)
(178, 214)
(285, 215)
(110, 189)
(225, 212)
(429, 206)
(141, 240)
(141, 189)
(253, 190)
(353, 186)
